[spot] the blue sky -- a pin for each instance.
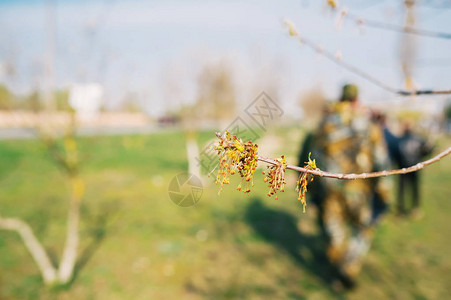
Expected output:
(156, 49)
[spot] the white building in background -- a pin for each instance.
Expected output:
(86, 99)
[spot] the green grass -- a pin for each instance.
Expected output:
(136, 244)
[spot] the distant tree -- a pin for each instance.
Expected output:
(312, 103)
(62, 100)
(130, 104)
(215, 102)
(6, 98)
(216, 99)
(31, 102)
(62, 147)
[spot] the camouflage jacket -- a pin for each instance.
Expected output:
(347, 141)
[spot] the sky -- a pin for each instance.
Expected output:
(155, 50)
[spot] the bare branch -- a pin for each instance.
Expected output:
(391, 27)
(384, 173)
(406, 29)
(321, 173)
(318, 49)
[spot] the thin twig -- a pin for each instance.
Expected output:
(318, 49)
(384, 173)
(391, 27)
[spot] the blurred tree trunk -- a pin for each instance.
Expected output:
(65, 155)
(35, 248)
(69, 258)
(192, 153)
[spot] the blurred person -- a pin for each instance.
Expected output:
(348, 140)
(406, 151)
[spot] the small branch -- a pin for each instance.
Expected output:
(321, 173)
(403, 29)
(423, 92)
(384, 173)
(318, 49)
(236, 156)
(35, 248)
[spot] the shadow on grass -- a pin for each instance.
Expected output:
(280, 228)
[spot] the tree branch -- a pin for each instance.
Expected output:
(318, 49)
(236, 156)
(405, 29)
(35, 248)
(381, 25)
(384, 173)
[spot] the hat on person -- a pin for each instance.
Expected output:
(349, 93)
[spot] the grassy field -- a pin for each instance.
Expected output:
(137, 244)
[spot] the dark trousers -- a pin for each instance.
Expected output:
(408, 182)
